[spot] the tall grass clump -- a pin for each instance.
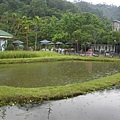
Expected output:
(26, 54)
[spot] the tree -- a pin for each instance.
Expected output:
(86, 40)
(95, 32)
(36, 22)
(116, 35)
(71, 22)
(62, 37)
(116, 40)
(38, 8)
(77, 37)
(26, 27)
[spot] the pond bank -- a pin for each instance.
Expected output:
(13, 57)
(100, 105)
(56, 58)
(12, 95)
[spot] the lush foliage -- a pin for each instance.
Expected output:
(31, 8)
(55, 20)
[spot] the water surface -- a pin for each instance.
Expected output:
(54, 73)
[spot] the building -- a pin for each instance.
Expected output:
(104, 48)
(4, 36)
(116, 25)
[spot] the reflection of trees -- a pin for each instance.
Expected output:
(26, 110)
(3, 112)
(89, 67)
(49, 109)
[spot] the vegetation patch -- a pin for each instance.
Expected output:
(26, 54)
(11, 57)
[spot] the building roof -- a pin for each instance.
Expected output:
(116, 21)
(4, 34)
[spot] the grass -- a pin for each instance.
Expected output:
(12, 95)
(26, 54)
(10, 57)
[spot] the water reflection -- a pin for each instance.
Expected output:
(54, 73)
(104, 105)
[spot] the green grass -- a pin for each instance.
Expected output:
(26, 54)
(9, 57)
(12, 95)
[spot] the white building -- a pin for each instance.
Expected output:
(116, 25)
(3, 39)
(104, 48)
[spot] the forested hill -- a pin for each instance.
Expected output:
(37, 7)
(112, 12)
(56, 20)
(32, 8)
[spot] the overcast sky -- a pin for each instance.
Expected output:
(114, 2)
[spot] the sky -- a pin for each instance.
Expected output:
(108, 2)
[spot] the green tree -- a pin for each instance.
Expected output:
(77, 37)
(116, 36)
(36, 23)
(72, 22)
(116, 40)
(87, 39)
(95, 32)
(62, 37)
(26, 29)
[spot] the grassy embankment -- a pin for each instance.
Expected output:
(44, 56)
(12, 95)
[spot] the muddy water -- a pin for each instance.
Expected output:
(104, 105)
(54, 73)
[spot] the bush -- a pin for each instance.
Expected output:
(10, 47)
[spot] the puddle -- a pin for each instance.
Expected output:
(104, 105)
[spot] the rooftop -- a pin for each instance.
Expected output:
(4, 34)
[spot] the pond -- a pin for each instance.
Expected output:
(102, 105)
(54, 73)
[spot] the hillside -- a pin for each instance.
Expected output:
(32, 8)
(40, 8)
(110, 11)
